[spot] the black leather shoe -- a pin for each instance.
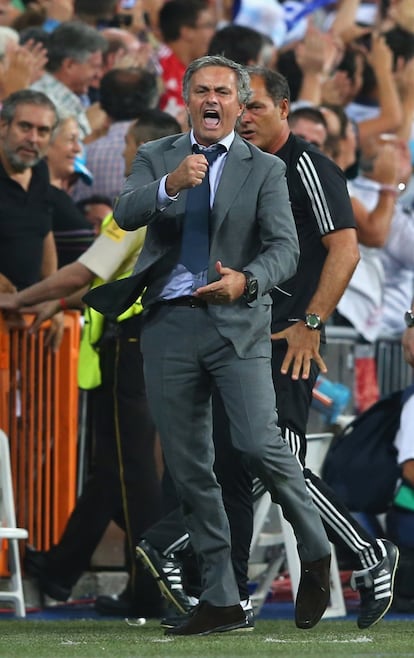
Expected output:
(313, 592)
(207, 618)
(167, 572)
(35, 564)
(172, 621)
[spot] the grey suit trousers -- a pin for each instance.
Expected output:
(183, 354)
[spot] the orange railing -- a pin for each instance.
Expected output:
(39, 413)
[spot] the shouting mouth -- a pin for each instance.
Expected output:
(211, 119)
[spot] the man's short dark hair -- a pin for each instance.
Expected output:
(124, 93)
(74, 40)
(154, 124)
(94, 199)
(239, 43)
(34, 33)
(26, 97)
(310, 113)
(275, 83)
(176, 14)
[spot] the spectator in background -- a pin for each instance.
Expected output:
(374, 192)
(310, 124)
(151, 10)
(397, 258)
(120, 43)
(377, 108)
(8, 12)
(124, 50)
(124, 93)
(74, 62)
(113, 13)
(73, 233)
(243, 45)
(187, 27)
(123, 484)
(367, 104)
(95, 208)
(96, 14)
(27, 247)
(27, 120)
(47, 14)
(127, 50)
(20, 64)
(373, 302)
(35, 34)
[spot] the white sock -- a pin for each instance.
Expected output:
(246, 604)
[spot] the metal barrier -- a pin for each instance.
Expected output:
(39, 413)
(393, 371)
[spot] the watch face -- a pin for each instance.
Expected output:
(252, 287)
(313, 321)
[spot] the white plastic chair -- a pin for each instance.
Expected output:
(9, 531)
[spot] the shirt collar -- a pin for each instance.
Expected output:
(226, 141)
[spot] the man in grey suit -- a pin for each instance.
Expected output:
(209, 322)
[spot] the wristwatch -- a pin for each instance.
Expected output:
(313, 321)
(251, 287)
(409, 319)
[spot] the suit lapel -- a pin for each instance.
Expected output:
(236, 169)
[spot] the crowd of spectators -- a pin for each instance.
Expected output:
(103, 64)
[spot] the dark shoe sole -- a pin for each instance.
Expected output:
(239, 626)
(165, 591)
(174, 622)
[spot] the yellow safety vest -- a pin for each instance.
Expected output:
(89, 372)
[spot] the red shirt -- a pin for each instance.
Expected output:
(172, 75)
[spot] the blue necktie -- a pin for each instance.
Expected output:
(195, 246)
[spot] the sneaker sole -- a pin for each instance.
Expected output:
(394, 570)
(165, 591)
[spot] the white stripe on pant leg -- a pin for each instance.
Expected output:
(331, 515)
(177, 545)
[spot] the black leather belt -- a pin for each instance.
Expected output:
(187, 300)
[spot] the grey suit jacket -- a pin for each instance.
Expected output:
(252, 229)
